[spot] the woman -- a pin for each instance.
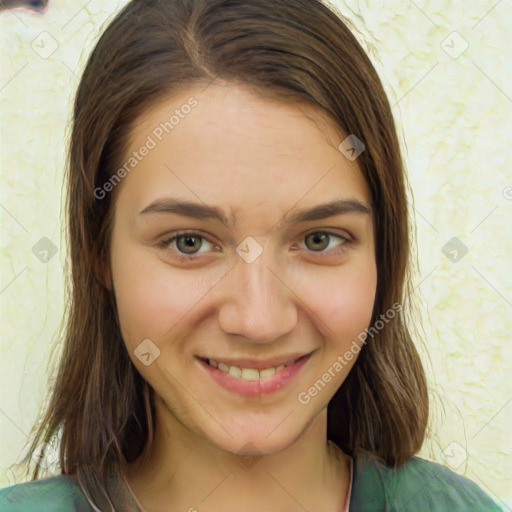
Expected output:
(239, 251)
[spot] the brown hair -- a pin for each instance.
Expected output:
(295, 50)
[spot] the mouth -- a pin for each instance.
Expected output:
(253, 378)
(252, 370)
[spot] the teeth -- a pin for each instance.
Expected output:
(234, 371)
(223, 367)
(265, 374)
(250, 374)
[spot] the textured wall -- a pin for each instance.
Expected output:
(447, 67)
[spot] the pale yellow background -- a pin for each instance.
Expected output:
(455, 115)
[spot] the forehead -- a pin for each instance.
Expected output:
(239, 116)
(237, 148)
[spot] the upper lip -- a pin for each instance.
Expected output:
(258, 364)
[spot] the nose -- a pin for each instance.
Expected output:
(257, 302)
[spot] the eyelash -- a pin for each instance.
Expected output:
(164, 244)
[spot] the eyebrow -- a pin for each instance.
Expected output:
(203, 211)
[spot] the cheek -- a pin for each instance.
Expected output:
(343, 300)
(150, 296)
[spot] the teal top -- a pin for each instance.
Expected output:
(418, 486)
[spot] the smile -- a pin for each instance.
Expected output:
(249, 374)
(253, 381)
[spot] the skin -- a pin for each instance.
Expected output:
(258, 160)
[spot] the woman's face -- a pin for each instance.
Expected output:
(278, 278)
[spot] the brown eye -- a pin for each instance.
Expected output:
(188, 244)
(319, 241)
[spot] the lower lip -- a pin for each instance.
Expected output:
(256, 387)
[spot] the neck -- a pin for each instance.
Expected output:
(187, 470)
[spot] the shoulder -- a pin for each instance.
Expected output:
(53, 494)
(417, 485)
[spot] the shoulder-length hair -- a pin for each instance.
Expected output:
(292, 50)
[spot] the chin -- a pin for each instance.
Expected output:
(257, 437)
